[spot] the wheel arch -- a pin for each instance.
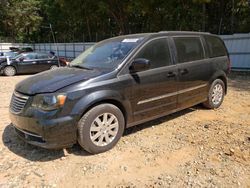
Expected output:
(114, 102)
(101, 97)
(219, 75)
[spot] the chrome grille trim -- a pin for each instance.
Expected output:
(18, 102)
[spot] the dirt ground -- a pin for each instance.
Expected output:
(192, 148)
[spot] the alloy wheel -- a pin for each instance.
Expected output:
(104, 129)
(217, 94)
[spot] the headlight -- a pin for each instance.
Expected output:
(49, 101)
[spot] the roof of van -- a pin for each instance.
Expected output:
(164, 33)
(184, 32)
(159, 34)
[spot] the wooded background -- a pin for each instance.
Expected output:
(94, 20)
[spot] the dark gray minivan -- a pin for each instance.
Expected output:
(118, 83)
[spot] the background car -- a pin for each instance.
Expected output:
(8, 54)
(21, 50)
(32, 62)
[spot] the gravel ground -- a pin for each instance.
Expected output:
(192, 148)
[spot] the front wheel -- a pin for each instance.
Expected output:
(9, 71)
(216, 94)
(100, 128)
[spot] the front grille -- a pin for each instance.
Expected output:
(18, 102)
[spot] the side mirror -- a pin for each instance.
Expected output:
(21, 59)
(139, 64)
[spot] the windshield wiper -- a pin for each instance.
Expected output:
(81, 67)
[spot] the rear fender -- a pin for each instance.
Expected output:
(219, 75)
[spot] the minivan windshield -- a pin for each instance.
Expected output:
(106, 54)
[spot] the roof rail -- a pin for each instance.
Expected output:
(183, 32)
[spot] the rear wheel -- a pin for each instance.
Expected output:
(9, 71)
(216, 94)
(100, 128)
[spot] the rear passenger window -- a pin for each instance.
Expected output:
(188, 49)
(157, 51)
(30, 56)
(42, 56)
(216, 47)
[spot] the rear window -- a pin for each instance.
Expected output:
(216, 47)
(189, 49)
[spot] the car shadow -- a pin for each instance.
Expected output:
(34, 153)
(163, 119)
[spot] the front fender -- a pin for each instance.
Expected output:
(91, 99)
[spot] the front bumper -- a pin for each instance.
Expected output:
(50, 134)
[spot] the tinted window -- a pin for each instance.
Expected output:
(10, 54)
(42, 56)
(188, 49)
(215, 46)
(157, 52)
(29, 56)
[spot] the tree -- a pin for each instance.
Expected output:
(23, 19)
(94, 20)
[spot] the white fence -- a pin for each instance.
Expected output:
(67, 50)
(238, 46)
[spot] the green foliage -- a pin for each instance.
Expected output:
(21, 19)
(94, 20)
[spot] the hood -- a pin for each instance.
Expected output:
(53, 80)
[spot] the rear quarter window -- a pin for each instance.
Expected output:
(215, 46)
(189, 49)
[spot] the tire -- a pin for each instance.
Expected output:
(96, 137)
(215, 95)
(9, 71)
(53, 67)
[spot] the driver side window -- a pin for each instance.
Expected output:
(157, 51)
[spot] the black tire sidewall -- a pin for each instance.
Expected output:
(215, 82)
(85, 123)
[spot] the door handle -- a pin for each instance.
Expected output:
(171, 74)
(183, 71)
(34, 62)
